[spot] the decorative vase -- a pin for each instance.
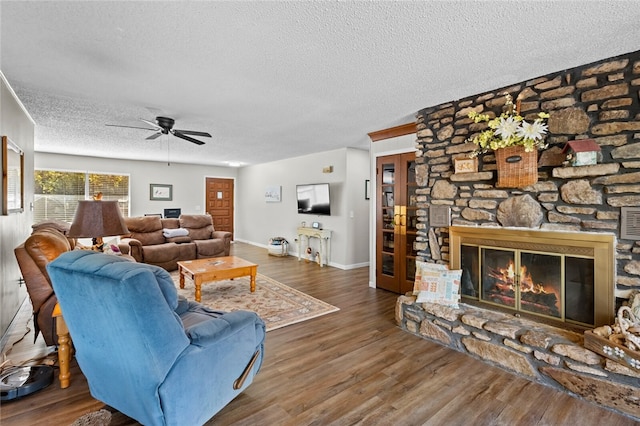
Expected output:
(516, 167)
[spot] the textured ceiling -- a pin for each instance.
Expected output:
(273, 80)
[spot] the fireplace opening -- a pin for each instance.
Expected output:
(550, 285)
(562, 277)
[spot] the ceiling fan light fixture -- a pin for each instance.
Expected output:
(164, 125)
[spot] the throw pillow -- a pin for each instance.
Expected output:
(437, 284)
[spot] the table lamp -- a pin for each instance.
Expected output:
(96, 219)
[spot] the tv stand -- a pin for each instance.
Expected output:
(325, 242)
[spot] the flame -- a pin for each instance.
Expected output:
(506, 281)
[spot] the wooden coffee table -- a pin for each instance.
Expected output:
(216, 269)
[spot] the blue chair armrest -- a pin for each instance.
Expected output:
(217, 328)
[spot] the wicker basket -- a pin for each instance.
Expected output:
(516, 167)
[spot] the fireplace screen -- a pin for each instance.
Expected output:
(562, 276)
(550, 285)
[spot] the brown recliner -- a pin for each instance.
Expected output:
(46, 243)
(148, 240)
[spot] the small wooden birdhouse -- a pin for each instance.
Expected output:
(583, 152)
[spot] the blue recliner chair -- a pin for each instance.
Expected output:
(151, 355)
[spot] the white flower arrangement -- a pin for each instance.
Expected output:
(509, 129)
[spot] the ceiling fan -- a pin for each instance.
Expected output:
(164, 126)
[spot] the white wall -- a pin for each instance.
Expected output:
(188, 180)
(398, 145)
(358, 217)
(15, 123)
(257, 220)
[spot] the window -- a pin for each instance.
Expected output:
(57, 193)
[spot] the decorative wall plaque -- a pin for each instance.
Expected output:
(465, 165)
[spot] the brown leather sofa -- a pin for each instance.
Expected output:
(46, 243)
(147, 240)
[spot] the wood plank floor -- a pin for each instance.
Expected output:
(354, 366)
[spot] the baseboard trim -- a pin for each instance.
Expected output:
(295, 254)
(14, 322)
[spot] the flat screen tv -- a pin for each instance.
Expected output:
(313, 199)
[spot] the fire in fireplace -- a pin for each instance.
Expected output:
(507, 287)
(549, 274)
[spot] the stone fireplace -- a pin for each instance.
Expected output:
(599, 101)
(576, 204)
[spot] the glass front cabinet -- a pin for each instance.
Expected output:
(396, 222)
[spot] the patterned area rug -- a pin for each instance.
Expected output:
(96, 418)
(277, 304)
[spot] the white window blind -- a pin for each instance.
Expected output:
(57, 192)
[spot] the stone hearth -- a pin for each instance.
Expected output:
(547, 355)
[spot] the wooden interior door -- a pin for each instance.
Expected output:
(219, 203)
(396, 222)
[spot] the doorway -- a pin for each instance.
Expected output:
(219, 203)
(396, 222)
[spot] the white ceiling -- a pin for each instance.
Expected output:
(273, 80)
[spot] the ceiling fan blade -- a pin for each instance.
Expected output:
(129, 127)
(185, 137)
(193, 132)
(151, 123)
(153, 136)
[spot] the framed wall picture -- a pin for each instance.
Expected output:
(273, 193)
(160, 192)
(12, 177)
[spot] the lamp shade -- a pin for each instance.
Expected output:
(97, 219)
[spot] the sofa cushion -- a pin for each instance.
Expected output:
(210, 248)
(200, 226)
(170, 223)
(56, 224)
(160, 253)
(146, 229)
(201, 233)
(179, 240)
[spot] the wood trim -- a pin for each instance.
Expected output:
(399, 254)
(392, 132)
